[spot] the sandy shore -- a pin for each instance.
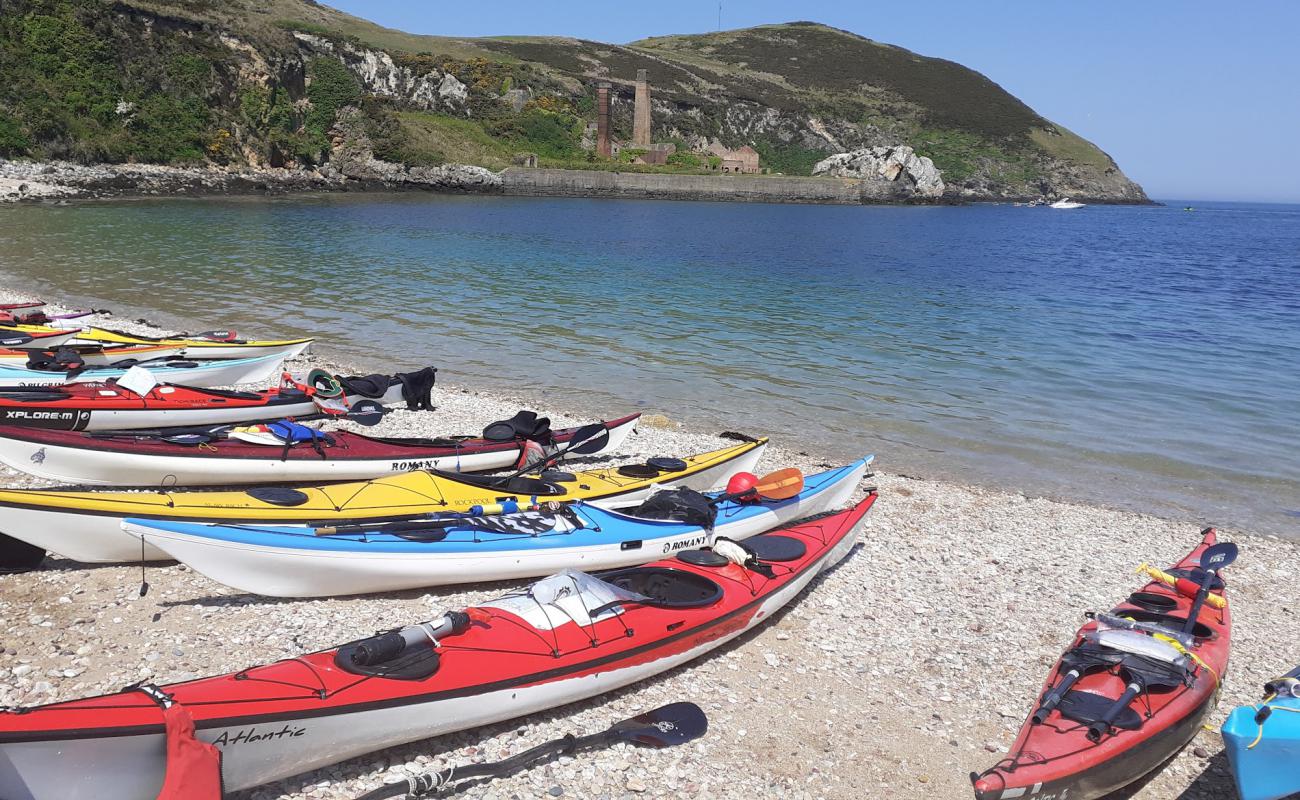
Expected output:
(900, 672)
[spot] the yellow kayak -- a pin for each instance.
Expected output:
(17, 336)
(86, 526)
(201, 348)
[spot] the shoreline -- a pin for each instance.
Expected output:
(62, 182)
(936, 632)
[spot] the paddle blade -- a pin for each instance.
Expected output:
(780, 485)
(588, 439)
(1218, 556)
(366, 412)
(673, 724)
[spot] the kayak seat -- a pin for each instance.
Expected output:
(402, 664)
(664, 587)
(1086, 707)
(36, 395)
(505, 484)
(1175, 621)
(234, 394)
(277, 495)
(666, 464)
(776, 548)
(639, 471)
(702, 558)
(1151, 601)
(1197, 574)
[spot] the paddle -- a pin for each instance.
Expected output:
(673, 724)
(1215, 558)
(586, 440)
(365, 412)
(780, 485)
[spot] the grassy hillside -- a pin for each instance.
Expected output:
(229, 81)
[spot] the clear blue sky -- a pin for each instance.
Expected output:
(1194, 99)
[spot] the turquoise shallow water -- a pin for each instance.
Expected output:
(1147, 358)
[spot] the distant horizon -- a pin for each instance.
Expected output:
(1185, 99)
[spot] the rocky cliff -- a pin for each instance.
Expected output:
(245, 84)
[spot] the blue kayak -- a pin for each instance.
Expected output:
(304, 561)
(1263, 742)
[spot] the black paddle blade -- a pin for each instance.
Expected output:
(1218, 556)
(188, 439)
(588, 439)
(673, 724)
(366, 412)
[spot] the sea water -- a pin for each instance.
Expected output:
(1142, 357)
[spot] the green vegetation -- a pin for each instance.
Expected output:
(12, 139)
(1070, 146)
(439, 138)
(68, 91)
(550, 134)
(788, 159)
(331, 87)
(154, 80)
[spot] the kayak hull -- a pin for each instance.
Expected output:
(1055, 759)
(87, 526)
(289, 562)
(118, 746)
(80, 459)
(101, 407)
(105, 357)
(222, 372)
(1266, 770)
(200, 348)
(41, 338)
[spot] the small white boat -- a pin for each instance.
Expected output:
(1066, 202)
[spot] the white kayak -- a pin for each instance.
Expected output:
(218, 372)
(96, 356)
(87, 526)
(300, 561)
(128, 458)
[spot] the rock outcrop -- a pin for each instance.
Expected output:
(380, 75)
(898, 165)
(32, 181)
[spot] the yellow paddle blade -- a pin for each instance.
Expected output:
(780, 485)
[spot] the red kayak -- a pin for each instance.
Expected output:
(562, 639)
(97, 406)
(1131, 691)
(132, 458)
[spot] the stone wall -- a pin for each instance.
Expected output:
(595, 183)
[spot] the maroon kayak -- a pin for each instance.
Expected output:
(129, 458)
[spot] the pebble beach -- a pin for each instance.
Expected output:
(910, 665)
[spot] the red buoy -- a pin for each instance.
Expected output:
(743, 483)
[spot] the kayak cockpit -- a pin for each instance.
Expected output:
(664, 587)
(505, 484)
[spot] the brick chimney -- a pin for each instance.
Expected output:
(641, 116)
(602, 121)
